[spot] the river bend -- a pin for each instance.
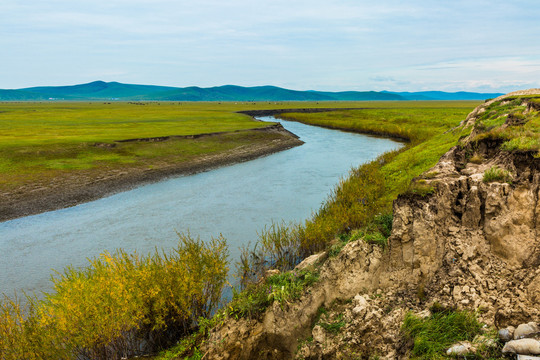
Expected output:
(236, 201)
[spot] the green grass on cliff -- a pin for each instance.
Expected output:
(515, 121)
(432, 336)
(431, 129)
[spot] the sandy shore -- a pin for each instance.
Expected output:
(80, 188)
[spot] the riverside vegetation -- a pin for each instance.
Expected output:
(359, 207)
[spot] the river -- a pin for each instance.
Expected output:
(236, 201)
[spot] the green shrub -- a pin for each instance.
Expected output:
(495, 173)
(476, 159)
(421, 188)
(121, 305)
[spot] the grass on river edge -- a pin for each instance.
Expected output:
(368, 192)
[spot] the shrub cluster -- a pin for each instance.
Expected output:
(122, 305)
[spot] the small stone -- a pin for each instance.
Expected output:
(506, 334)
(359, 310)
(360, 300)
(465, 301)
(523, 347)
(272, 272)
(318, 334)
(311, 261)
(526, 330)
(461, 348)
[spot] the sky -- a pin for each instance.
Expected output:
(330, 45)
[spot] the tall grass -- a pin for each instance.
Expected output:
(121, 305)
(432, 336)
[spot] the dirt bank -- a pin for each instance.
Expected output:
(84, 186)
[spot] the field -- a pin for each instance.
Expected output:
(57, 154)
(45, 140)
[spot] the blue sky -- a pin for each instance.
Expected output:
(322, 45)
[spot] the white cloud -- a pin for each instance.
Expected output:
(331, 44)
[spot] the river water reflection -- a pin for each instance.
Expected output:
(236, 201)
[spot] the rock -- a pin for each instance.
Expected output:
(424, 314)
(526, 330)
(507, 333)
(318, 334)
(272, 272)
(461, 348)
(310, 261)
(528, 357)
(522, 346)
(360, 300)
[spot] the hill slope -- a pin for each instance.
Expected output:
(103, 91)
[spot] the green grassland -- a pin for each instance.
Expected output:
(46, 140)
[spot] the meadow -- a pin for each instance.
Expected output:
(359, 207)
(41, 142)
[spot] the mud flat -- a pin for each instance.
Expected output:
(84, 186)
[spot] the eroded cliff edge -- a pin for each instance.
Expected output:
(470, 241)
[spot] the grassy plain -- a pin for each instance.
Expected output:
(46, 140)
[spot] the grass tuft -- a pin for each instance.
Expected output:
(433, 336)
(495, 173)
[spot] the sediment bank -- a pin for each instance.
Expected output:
(84, 186)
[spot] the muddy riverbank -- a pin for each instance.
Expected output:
(84, 186)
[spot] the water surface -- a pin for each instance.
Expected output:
(236, 201)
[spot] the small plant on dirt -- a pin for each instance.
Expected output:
(431, 337)
(335, 326)
(430, 175)
(420, 187)
(495, 173)
(283, 288)
(476, 159)
(377, 231)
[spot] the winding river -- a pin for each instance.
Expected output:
(236, 201)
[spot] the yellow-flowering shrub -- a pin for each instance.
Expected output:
(121, 305)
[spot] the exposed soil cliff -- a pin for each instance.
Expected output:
(471, 243)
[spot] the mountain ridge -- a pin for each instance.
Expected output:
(100, 91)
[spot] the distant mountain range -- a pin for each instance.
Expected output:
(108, 91)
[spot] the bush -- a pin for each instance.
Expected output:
(121, 305)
